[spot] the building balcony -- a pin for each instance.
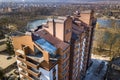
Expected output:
(32, 63)
(29, 61)
(30, 71)
(26, 76)
(20, 58)
(33, 72)
(19, 54)
(23, 78)
(34, 78)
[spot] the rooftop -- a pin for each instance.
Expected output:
(4, 63)
(34, 24)
(59, 19)
(86, 11)
(50, 41)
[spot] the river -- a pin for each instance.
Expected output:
(108, 23)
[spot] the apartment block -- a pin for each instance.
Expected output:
(81, 42)
(59, 51)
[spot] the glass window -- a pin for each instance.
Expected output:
(54, 70)
(65, 63)
(67, 31)
(64, 72)
(64, 56)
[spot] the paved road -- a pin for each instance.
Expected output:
(90, 75)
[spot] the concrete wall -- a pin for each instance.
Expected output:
(68, 30)
(48, 75)
(85, 17)
(59, 29)
(49, 27)
(18, 41)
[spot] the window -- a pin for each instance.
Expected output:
(76, 59)
(67, 31)
(64, 56)
(65, 63)
(54, 73)
(68, 41)
(54, 70)
(38, 52)
(76, 52)
(65, 78)
(64, 72)
(54, 78)
(77, 45)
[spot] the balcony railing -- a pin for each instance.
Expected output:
(36, 74)
(32, 63)
(29, 63)
(19, 54)
(21, 59)
(34, 77)
(29, 78)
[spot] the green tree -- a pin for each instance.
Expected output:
(9, 44)
(117, 48)
(99, 37)
(1, 73)
(4, 22)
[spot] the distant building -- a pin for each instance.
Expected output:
(7, 10)
(7, 65)
(113, 72)
(115, 13)
(61, 50)
(3, 46)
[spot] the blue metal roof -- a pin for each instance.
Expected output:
(46, 46)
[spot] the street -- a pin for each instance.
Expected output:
(91, 73)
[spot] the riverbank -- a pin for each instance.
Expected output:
(103, 57)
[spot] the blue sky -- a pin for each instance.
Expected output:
(56, 0)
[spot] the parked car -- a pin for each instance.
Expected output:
(9, 57)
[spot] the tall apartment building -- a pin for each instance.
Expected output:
(81, 42)
(58, 51)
